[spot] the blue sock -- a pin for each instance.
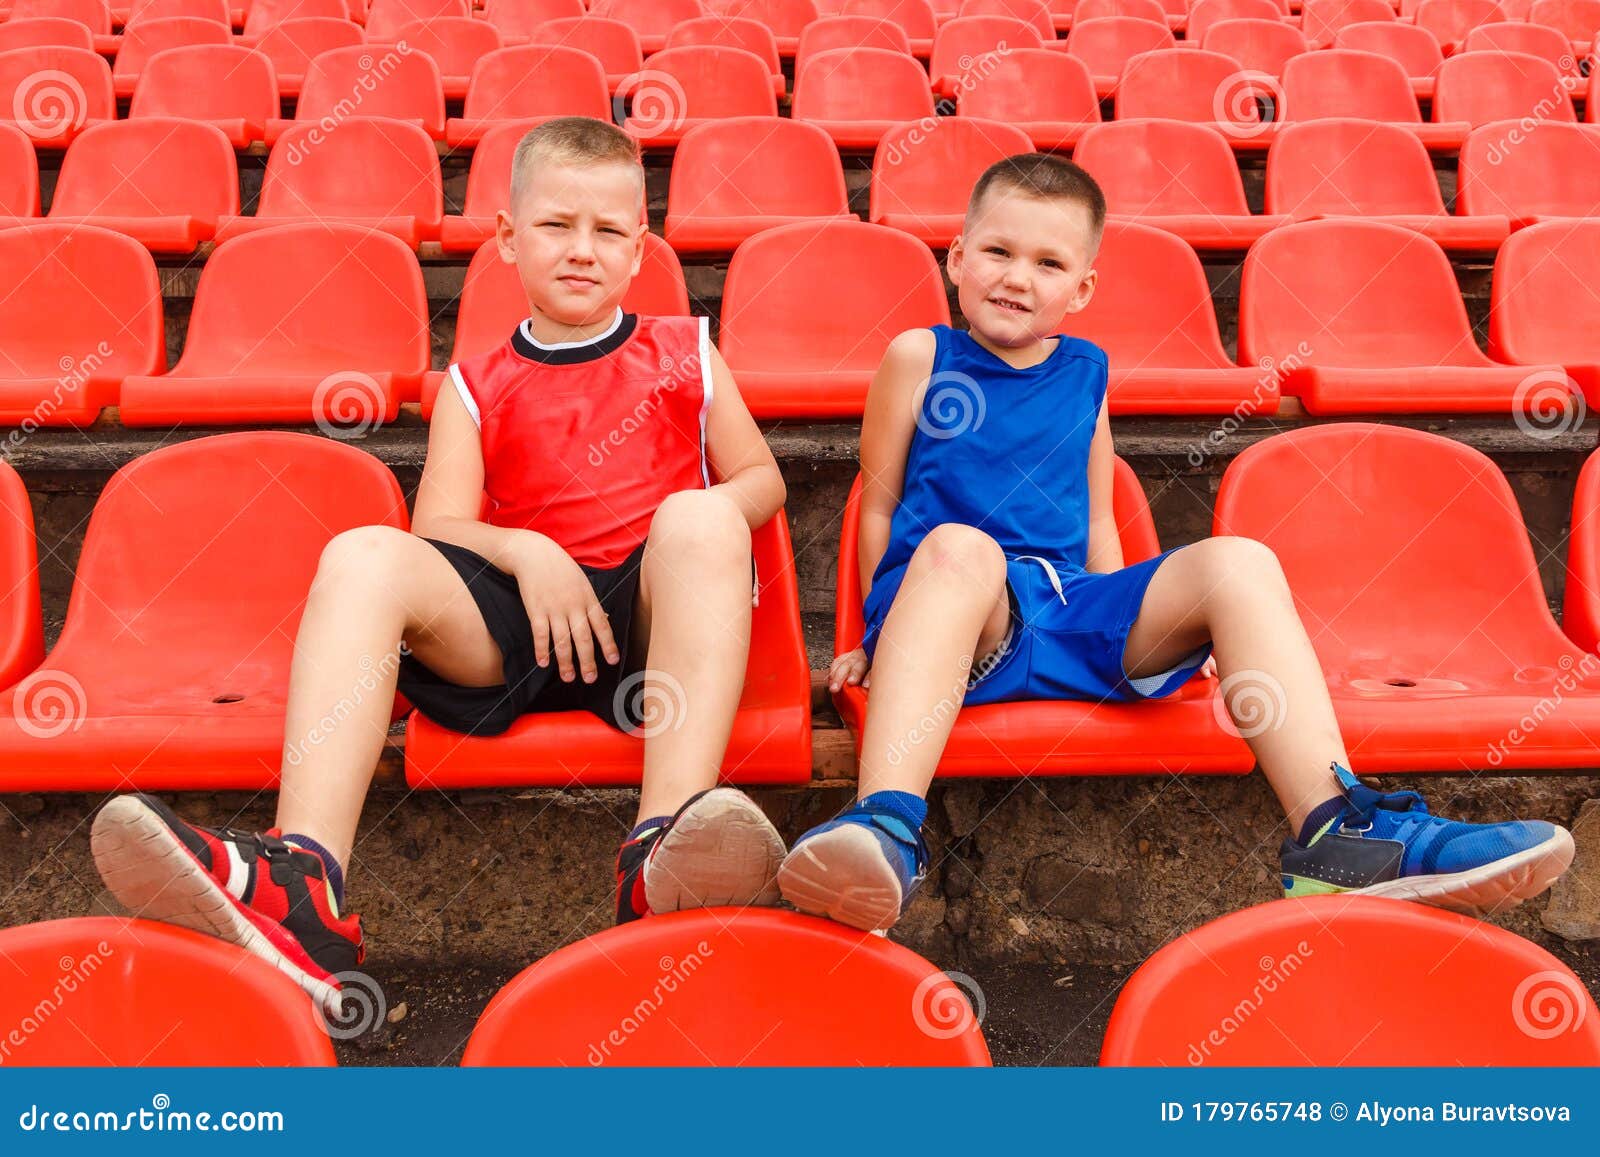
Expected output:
(913, 810)
(330, 866)
(1319, 818)
(647, 825)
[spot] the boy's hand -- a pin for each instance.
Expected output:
(1208, 669)
(851, 669)
(563, 610)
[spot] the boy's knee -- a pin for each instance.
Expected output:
(701, 524)
(965, 551)
(367, 551)
(1241, 562)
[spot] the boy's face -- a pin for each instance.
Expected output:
(575, 238)
(1022, 265)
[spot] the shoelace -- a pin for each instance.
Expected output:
(1365, 802)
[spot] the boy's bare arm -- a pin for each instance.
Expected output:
(741, 461)
(1105, 545)
(887, 427)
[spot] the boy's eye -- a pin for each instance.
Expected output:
(1050, 263)
(996, 250)
(552, 224)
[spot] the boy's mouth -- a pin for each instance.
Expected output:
(578, 284)
(1009, 305)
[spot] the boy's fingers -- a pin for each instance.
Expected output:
(600, 622)
(582, 645)
(562, 638)
(541, 640)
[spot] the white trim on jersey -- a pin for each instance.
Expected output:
(467, 399)
(527, 334)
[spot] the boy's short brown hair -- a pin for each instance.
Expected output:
(1045, 176)
(572, 141)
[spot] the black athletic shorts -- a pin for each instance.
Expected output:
(614, 695)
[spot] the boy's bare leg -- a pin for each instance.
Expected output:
(1232, 592)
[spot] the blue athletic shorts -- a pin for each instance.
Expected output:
(1069, 629)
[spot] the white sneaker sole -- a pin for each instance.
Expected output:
(722, 852)
(1492, 888)
(153, 876)
(843, 875)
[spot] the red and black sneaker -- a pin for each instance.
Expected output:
(249, 888)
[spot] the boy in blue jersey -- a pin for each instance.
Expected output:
(991, 562)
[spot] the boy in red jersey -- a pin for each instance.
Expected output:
(609, 570)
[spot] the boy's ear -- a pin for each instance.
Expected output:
(1085, 292)
(505, 235)
(952, 260)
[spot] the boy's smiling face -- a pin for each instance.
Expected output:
(1022, 265)
(575, 238)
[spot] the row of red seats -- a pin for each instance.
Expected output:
(173, 675)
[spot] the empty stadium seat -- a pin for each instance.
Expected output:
(144, 40)
(52, 94)
(1321, 20)
(21, 633)
(1105, 45)
(1179, 734)
(402, 85)
(296, 323)
(611, 42)
(653, 20)
(44, 32)
(750, 986)
(1545, 307)
(1580, 611)
(732, 32)
(858, 94)
(833, 32)
(1415, 50)
(1364, 317)
(969, 46)
(1176, 176)
(529, 83)
(1578, 20)
(1591, 112)
(19, 173)
(1032, 12)
(1048, 95)
(215, 11)
(770, 743)
(917, 17)
(488, 189)
(84, 312)
(517, 19)
(226, 85)
(1151, 10)
(1451, 20)
(1194, 85)
(1338, 82)
(732, 178)
(385, 18)
(103, 992)
(797, 352)
(922, 175)
(1268, 986)
(493, 302)
(1480, 87)
(1430, 620)
(1530, 174)
(369, 172)
(172, 669)
(1534, 39)
(456, 44)
(94, 15)
(1379, 172)
(682, 87)
(265, 15)
(787, 19)
(1209, 12)
(1260, 45)
(292, 45)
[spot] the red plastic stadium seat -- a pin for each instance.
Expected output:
(858, 94)
(1260, 45)
(1480, 87)
(367, 171)
(1550, 170)
(405, 86)
(1152, 314)
(787, 19)
(1591, 113)
(1267, 986)
(530, 83)
(216, 11)
(1151, 10)
(922, 175)
(799, 353)
(456, 44)
(771, 740)
(53, 94)
(1433, 661)
(226, 85)
(1048, 95)
(1578, 20)
(94, 15)
(517, 19)
(493, 302)
(163, 182)
(917, 17)
(732, 178)
(1415, 50)
(142, 41)
(1321, 20)
(21, 633)
(732, 32)
(83, 312)
(730, 987)
(969, 46)
(44, 32)
(1451, 20)
(1580, 613)
(1340, 82)
(1534, 39)
(296, 323)
(172, 670)
(488, 189)
(19, 174)
(1209, 12)
(385, 18)
(1194, 85)
(1545, 305)
(833, 32)
(1181, 733)
(98, 991)
(1363, 317)
(1176, 176)
(682, 87)
(292, 45)
(264, 15)
(611, 42)
(1105, 45)
(1032, 12)
(653, 20)
(1378, 172)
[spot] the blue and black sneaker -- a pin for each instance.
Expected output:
(1387, 844)
(861, 868)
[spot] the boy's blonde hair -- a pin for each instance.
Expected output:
(572, 141)
(1048, 177)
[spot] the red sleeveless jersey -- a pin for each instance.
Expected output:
(582, 441)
